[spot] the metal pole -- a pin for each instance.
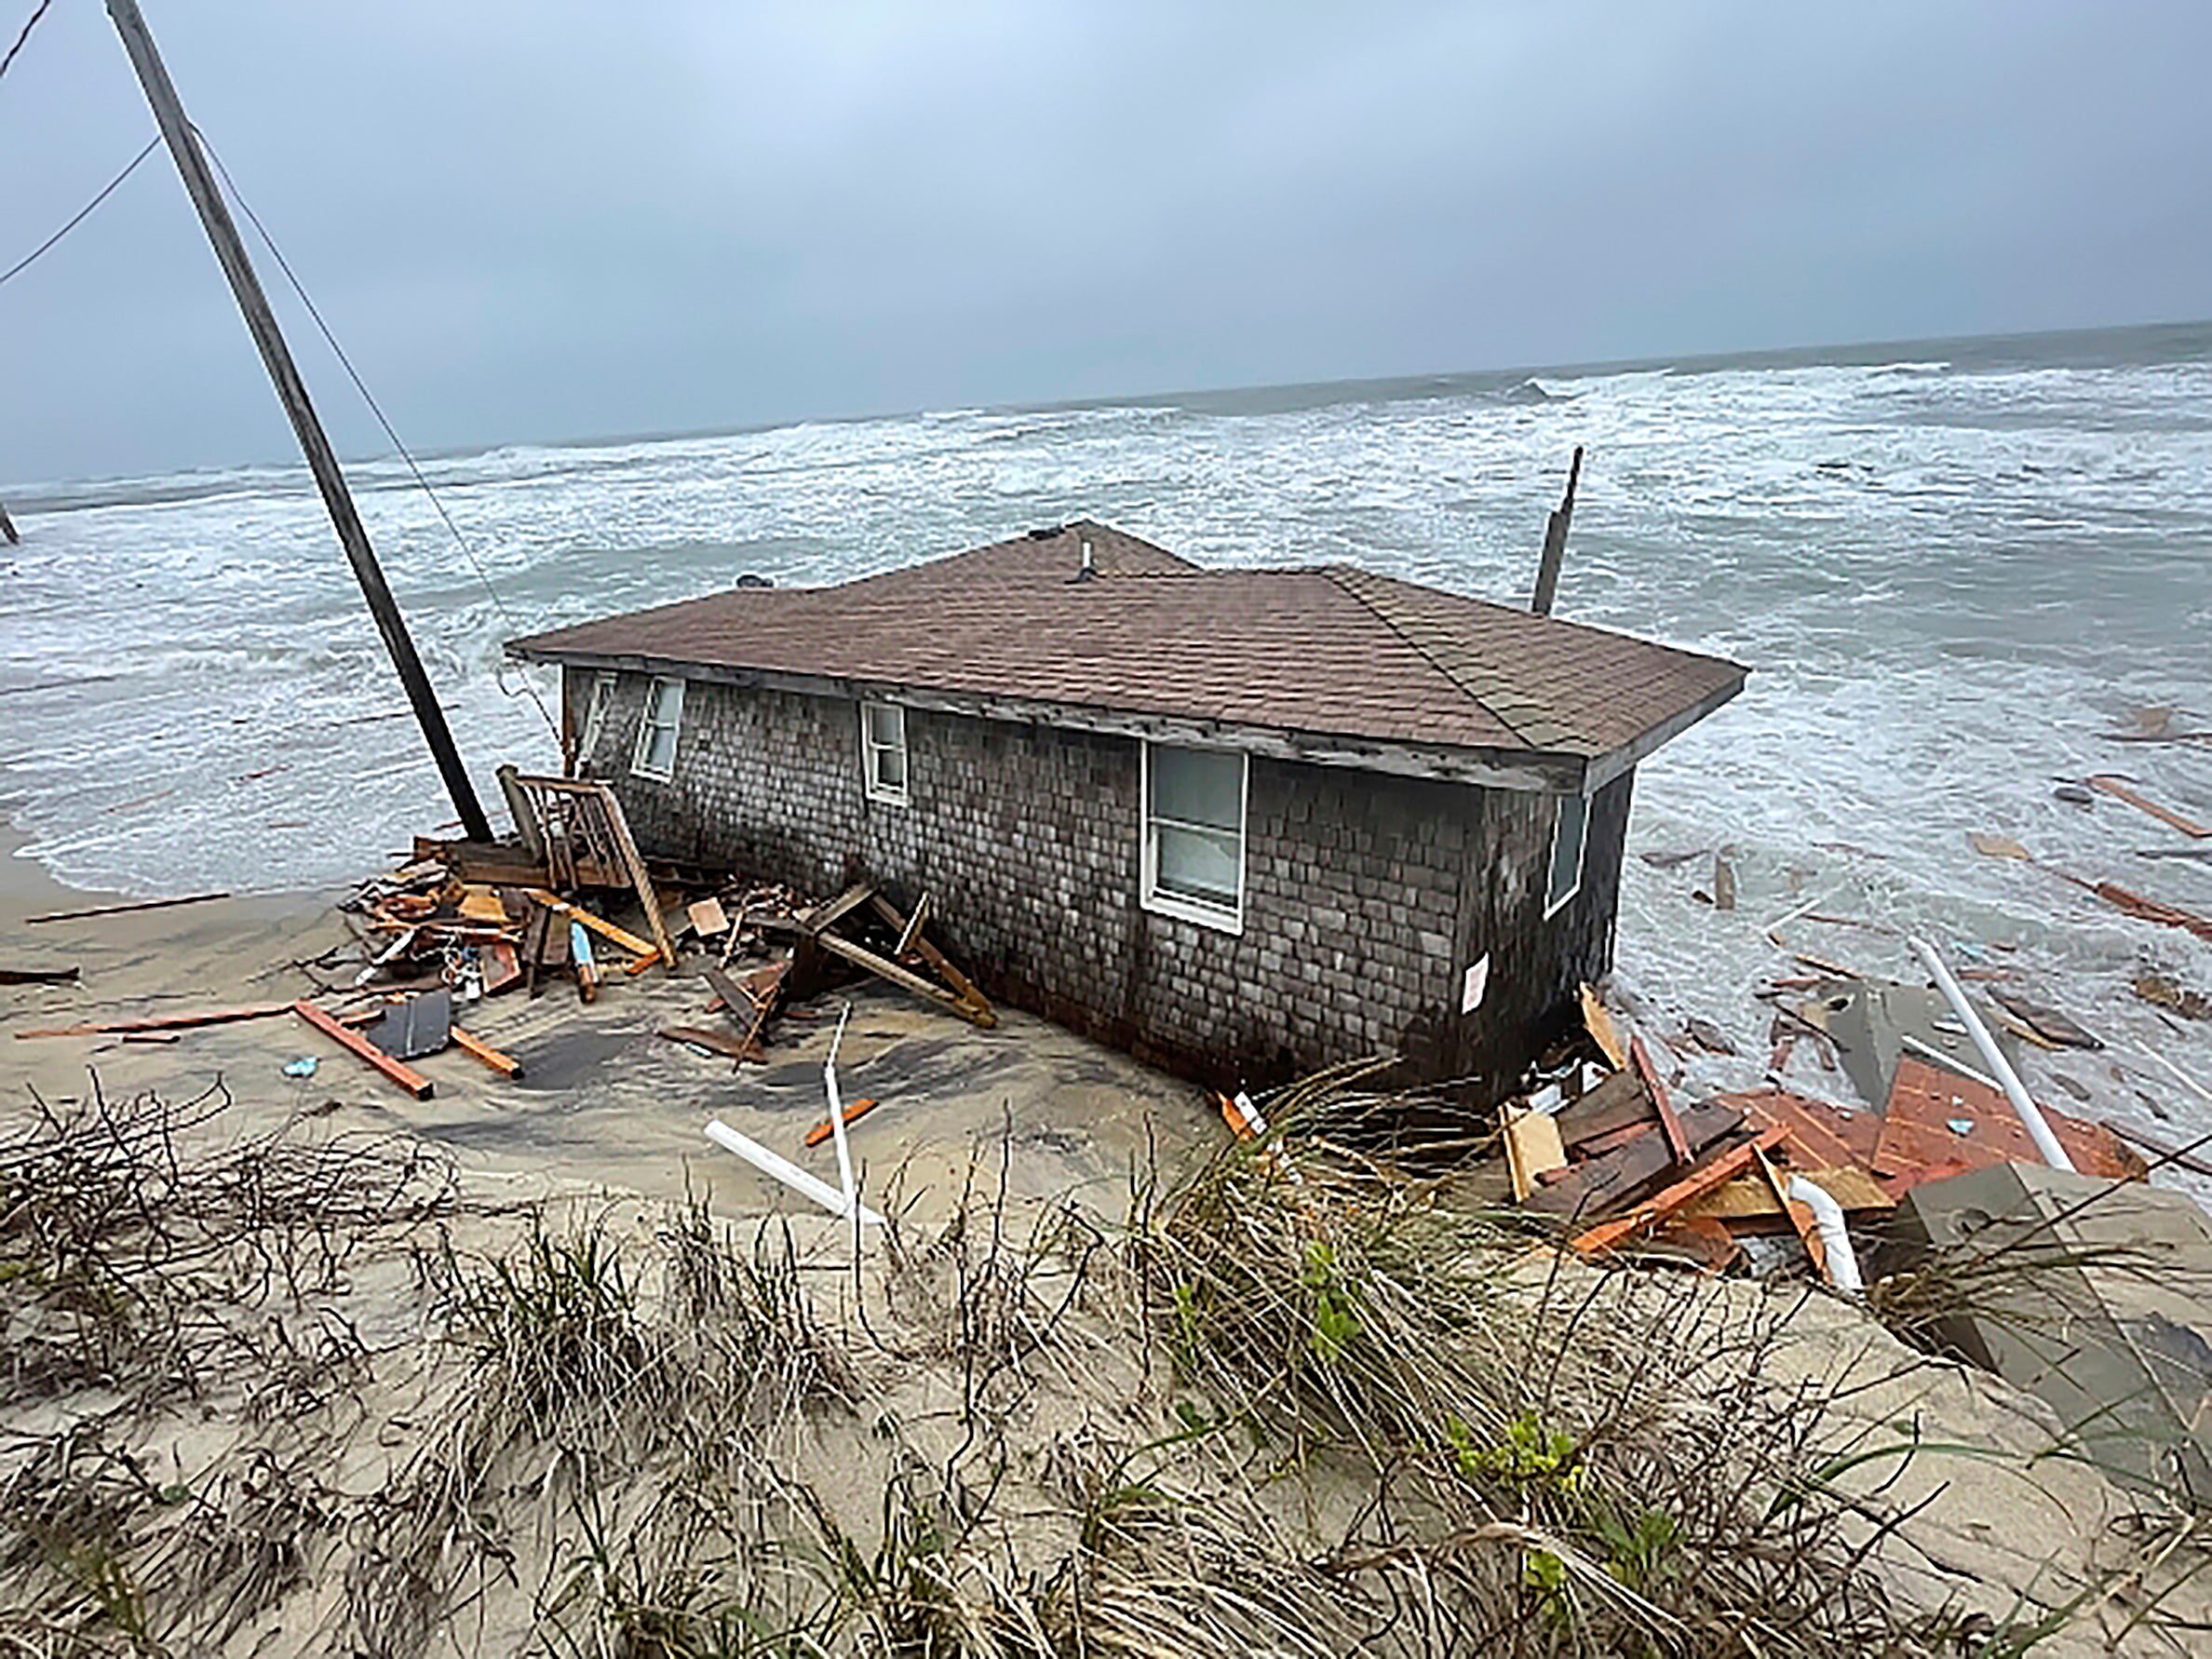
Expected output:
(1554, 542)
(230, 251)
(2031, 1117)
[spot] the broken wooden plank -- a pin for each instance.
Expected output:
(852, 1113)
(1600, 1024)
(123, 910)
(2105, 784)
(1597, 1184)
(618, 826)
(1607, 1235)
(862, 957)
(822, 915)
(605, 929)
(165, 1022)
(1617, 1102)
(709, 918)
(506, 1065)
(67, 976)
(1532, 1147)
(406, 1076)
(912, 938)
(1669, 1124)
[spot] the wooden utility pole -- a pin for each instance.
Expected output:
(230, 251)
(1554, 542)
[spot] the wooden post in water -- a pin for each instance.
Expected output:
(1554, 542)
(230, 251)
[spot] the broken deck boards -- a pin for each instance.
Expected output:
(1662, 1204)
(406, 1076)
(165, 1022)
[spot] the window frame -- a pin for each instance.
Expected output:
(1552, 907)
(647, 726)
(597, 701)
(872, 783)
(1151, 896)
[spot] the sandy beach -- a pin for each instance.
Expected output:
(604, 1102)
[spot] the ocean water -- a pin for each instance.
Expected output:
(1951, 568)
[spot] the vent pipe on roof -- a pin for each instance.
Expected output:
(1087, 569)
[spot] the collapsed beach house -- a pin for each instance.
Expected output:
(1240, 823)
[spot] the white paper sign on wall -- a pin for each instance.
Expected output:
(1475, 983)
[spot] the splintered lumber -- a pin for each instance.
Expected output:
(861, 956)
(1618, 1103)
(835, 910)
(1660, 1205)
(911, 938)
(758, 1002)
(1602, 1032)
(628, 849)
(124, 909)
(1599, 1185)
(852, 1113)
(506, 1065)
(606, 930)
(165, 1022)
(2150, 909)
(1532, 1147)
(1669, 1124)
(2107, 785)
(399, 1072)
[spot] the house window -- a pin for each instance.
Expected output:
(1194, 835)
(595, 716)
(884, 752)
(1570, 829)
(655, 754)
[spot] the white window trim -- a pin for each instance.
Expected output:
(1221, 918)
(643, 745)
(595, 715)
(1582, 853)
(890, 794)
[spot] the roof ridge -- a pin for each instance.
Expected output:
(1338, 572)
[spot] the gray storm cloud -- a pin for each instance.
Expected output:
(555, 220)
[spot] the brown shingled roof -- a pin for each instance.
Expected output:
(1334, 651)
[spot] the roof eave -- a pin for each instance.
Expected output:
(1544, 771)
(1606, 767)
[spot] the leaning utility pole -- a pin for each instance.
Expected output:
(1554, 542)
(292, 391)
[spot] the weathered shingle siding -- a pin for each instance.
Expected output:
(1363, 892)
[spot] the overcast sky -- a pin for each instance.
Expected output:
(550, 221)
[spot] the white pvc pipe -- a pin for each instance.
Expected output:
(1842, 1261)
(837, 1123)
(798, 1179)
(2031, 1117)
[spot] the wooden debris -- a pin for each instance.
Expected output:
(1609, 1234)
(707, 918)
(1618, 1103)
(1834, 970)
(1669, 1124)
(2150, 909)
(67, 976)
(2160, 992)
(506, 1065)
(165, 1022)
(123, 910)
(911, 939)
(2105, 784)
(861, 956)
(2049, 1025)
(1532, 1147)
(1997, 846)
(1596, 1184)
(606, 930)
(1708, 1036)
(1724, 882)
(852, 1113)
(481, 904)
(414, 1082)
(1600, 1024)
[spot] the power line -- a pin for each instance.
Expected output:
(506, 616)
(83, 212)
(25, 35)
